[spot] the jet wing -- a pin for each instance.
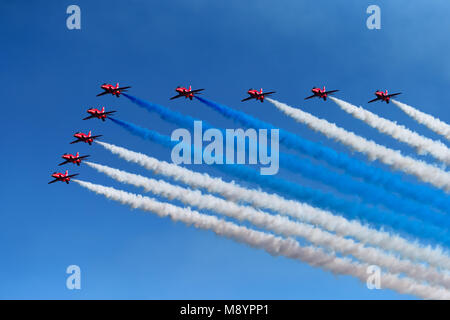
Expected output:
(94, 137)
(331, 91)
(83, 157)
(246, 99)
(394, 94)
(103, 93)
(197, 90)
(90, 117)
(376, 99)
(53, 181)
(109, 112)
(72, 175)
(67, 161)
(177, 96)
(310, 97)
(270, 92)
(124, 88)
(76, 141)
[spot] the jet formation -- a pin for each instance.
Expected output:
(187, 93)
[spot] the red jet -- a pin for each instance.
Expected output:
(187, 93)
(257, 95)
(82, 137)
(73, 159)
(109, 88)
(99, 114)
(62, 177)
(320, 93)
(384, 96)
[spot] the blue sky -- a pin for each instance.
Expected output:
(50, 76)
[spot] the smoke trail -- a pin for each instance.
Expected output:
(166, 114)
(434, 124)
(352, 210)
(388, 180)
(300, 211)
(278, 224)
(275, 246)
(374, 151)
(343, 183)
(145, 133)
(368, 192)
(422, 145)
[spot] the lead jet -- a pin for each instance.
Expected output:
(114, 90)
(384, 96)
(62, 177)
(82, 137)
(70, 158)
(99, 114)
(187, 93)
(320, 93)
(257, 95)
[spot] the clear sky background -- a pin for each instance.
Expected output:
(50, 76)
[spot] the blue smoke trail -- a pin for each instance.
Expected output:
(315, 197)
(390, 181)
(370, 193)
(164, 113)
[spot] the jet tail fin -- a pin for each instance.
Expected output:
(89, 134)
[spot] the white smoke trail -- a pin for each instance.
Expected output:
(231, 191)
(278, 224)
(274, 245)
(422, 144)
(438, 126)
(374, 151)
